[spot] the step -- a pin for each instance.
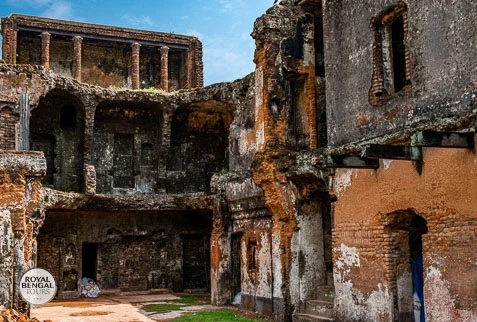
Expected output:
(318, 307)
(303, 317)
(325, 293)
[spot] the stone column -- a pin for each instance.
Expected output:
(45, 49)
(77, 40)
(135, 65)
(164, 67)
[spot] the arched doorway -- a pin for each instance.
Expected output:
(404, 231)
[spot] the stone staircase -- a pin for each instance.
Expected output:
(320, 309)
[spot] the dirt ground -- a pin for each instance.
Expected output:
(117, 308)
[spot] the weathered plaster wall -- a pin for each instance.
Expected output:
(308, 269)
(57, 129)
(198, 147)
(135, 250)
(28, 48)
(286, 122)
(365, 247)
(127, 146)
(442, 71)
(61, 56)
(106, 64)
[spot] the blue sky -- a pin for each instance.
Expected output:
(223, 26)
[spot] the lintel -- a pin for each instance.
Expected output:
(437, 139)
(351, 161)
(393, 152)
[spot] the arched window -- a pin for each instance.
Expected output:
(391, 58)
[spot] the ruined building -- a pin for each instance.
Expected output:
(312, 186)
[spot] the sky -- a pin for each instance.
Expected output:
(223, 26)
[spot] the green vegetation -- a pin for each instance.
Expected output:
(213, 316)
(162, 308)
(152, 89)
(186, 299)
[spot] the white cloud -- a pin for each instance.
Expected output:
(195, 33)
(184, 17)
(230, 5)
(58, 10)
(138, 21)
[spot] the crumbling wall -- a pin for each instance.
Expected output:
(127, 146)
(61, 55)
(198, 147)
(368, 254)
(20, 175)
(106, 63)
(441, 70)
(285, 127)
(57, 129)
(135, 250)
(28, 48)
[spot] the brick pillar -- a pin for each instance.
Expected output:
(198, 64)
(45, 49)
(164, 67)
(135, 65)
(190, 66)
(14, 45)
(77, 40)
(9, 43)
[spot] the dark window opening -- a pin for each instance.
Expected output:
(252, 256)
(89, 260)
(68, 117)
(319, 46)
(399, 54)
(391, 63)
(298, 135)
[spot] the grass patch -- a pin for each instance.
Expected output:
(213, 316)
(162, 308)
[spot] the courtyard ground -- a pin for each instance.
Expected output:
(133, 307)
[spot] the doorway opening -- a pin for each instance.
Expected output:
(405, 232)
(196, 262)
(89, 260)
(417, 228)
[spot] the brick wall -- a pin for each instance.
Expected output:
(7, 129)
(371, 237)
